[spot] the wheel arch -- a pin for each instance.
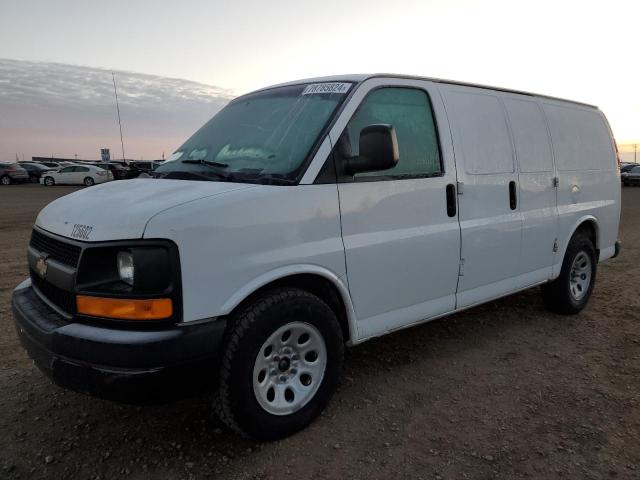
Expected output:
(317, 280)
(588, 224)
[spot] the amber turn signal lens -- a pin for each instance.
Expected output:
(125, 309)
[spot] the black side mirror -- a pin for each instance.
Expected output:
(378, 150)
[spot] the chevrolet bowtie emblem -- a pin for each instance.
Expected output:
(41, 266)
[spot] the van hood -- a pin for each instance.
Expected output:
(120, 210)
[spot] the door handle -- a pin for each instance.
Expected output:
(513, 199)
(451, 200)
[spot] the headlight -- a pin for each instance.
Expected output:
(130, 280)
(150, 268)
(126, 270)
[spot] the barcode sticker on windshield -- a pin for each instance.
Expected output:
(333, 87)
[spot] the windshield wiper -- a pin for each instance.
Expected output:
(186, 175)
(263, 178)
(206, 162)
(216, 165)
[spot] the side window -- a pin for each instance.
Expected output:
(82, 169)
(409, 111)
(67, 170)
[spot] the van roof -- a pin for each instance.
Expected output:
(361, 77)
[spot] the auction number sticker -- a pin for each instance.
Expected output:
(332, 87)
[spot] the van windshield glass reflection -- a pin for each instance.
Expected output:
(263, 137)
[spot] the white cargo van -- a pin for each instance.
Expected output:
(313, 215)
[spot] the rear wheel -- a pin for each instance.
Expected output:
(6, 180)
(88, 181)
(49, 181)
(281, 364)
(570, 292)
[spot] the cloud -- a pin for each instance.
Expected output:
(62, 110)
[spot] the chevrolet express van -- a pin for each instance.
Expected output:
(309, 216)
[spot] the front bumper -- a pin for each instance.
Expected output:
(124, 364)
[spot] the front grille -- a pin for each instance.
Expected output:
(58, 250)
(63, 299)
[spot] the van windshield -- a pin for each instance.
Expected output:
(263, 137)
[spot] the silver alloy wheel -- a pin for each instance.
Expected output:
(6, 181)
(289, 368)
(48, 181)
(580, 275)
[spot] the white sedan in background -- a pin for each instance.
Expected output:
(76, 175)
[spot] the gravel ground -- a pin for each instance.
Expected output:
(505, 390)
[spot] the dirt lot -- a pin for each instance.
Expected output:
(505, 390)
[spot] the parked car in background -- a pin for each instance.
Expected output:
(77, 175)
(35, 170)
(119, 172)
(631, 176)
(45, 163)
(139, 167)
(625, 168)
(12, 173)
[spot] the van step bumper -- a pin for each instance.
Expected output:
(128, 365)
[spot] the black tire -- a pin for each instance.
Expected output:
(6, 180)
(235, 401)
(49, 181)
(89, 182)
(557, 294)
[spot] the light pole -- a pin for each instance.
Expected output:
(113, 77)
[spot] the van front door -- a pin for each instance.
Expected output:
(490, 220)
(402, 243)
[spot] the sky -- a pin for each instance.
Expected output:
(582, 50)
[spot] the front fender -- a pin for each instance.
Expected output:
(232, 244)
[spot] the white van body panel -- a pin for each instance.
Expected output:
(536, 185)
(120, 210)
(231, 244)
(491, 231)
(589, 182)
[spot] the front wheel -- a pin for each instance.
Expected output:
(570, 292)
(281, 364)
(88, 181)
(6, 180)
(49, 181)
